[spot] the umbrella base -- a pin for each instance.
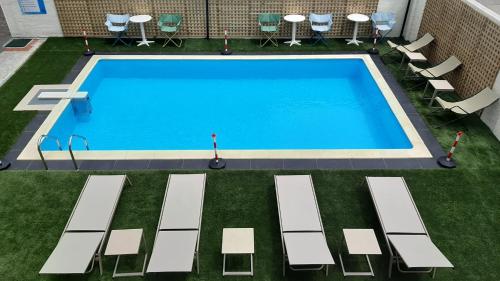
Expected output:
(213, 164)
(4, 165)
(446, 164)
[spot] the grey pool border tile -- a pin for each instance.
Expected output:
(239, 164)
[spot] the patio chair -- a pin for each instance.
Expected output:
(407, 239)
(177, 238)
(320, 23)
(118, 24)
(413, 46)
(465, 108)
(383, 22)
(170, 24)
(269, 25)
(303, 238)
(81, 242)
(437, 71)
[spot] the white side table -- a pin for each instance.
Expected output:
(126, 242)
(360, 242)
(294, 19)
(141, 19)
(356, 18)
(412, 57)
(439, 86)
(237, 241)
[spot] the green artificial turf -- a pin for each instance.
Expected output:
(459, 208)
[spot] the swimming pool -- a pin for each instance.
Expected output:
(269, 107)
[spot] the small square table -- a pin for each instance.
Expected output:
(360, 242)
(126, 242)
(238, 241)
(412, 57)
(439, 86)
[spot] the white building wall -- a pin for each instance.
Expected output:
(21, 25)
(491, 115)
(399, 8)
(415, 14)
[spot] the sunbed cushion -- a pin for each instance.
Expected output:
(183, 202)
(73, 254)
(297, 203)
(96, 204)
(173, 251)
(397, 212)
(418, 251)
(307, 248)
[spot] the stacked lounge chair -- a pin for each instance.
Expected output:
(83, 237)
(303, 238)
(406, 237)
(178, 234)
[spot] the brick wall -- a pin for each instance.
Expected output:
(239, 16)
(472, 37)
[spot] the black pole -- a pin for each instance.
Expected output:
(404, 20)
(207, 20)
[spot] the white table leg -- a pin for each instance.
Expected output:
(144, 41)
(294, 32)
(354, 39)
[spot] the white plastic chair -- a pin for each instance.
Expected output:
(320, 23)
(118, 24)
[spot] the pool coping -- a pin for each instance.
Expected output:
(288, 163)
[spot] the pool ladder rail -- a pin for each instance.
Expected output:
(70, 147)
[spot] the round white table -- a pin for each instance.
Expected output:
(141, 19)
(294, 19)
(356, 18)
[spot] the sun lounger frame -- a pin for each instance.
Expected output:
(98, 253)
(283, 246)
(393, 255)
(197, 248)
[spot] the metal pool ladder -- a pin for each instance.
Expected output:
(39, 144)
(70, 144)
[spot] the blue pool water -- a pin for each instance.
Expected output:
(250, 104)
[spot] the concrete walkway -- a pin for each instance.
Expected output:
(4, 30)
(11, 61)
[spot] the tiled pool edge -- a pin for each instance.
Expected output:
(415, 163)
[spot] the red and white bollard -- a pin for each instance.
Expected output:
(374, 50)
(88, 51)
(216, 162)
(226, 50)
(447, 161)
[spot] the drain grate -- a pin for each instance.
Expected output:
(18, 43)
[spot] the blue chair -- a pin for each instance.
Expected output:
(384, 22)
(118, 24)
(320, 23)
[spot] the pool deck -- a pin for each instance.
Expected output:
(383, 163)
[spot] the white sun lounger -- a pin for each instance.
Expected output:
(178, 234)
(437, 71)
(302, 235)
(406, 237)
(82, 240)
(413, 46)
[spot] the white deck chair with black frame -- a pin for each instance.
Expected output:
(408, 242)
(81, 242)
(177, 240)
(303, 238)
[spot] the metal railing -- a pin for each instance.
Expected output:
(39, 144)
(70, 148)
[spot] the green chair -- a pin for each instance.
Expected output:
(269, 25)
(171, 25)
